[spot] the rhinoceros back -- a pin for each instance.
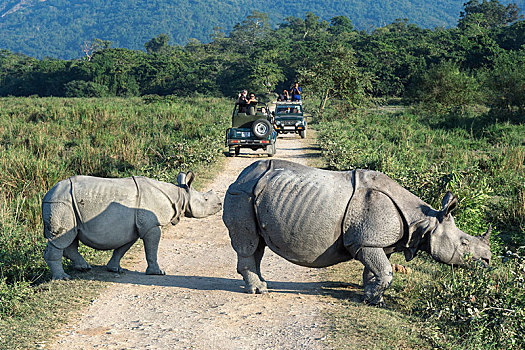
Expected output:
(300, 211)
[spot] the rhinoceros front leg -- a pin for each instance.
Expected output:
(151, 246)
(53, 258)
(247, 267)
(71, 252)
(258, 255)
(114, 263)
(377, 275)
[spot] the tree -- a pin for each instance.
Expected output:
(254, 29)
(264, 73)
(444, 87)
(89, 49)
(487, 15)
(159, 44)
(505, 84)
(337, 76)
(340, 25)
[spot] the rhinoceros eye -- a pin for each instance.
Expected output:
(465, 241)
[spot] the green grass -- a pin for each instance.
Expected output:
(355, 325)
(481, 159)
(45, 140)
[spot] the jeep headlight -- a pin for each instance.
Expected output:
(277, 122)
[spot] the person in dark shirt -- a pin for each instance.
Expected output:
(242, 101)
(285, 96)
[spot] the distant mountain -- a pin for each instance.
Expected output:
(58, 28)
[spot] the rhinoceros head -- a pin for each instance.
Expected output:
(450, 245)
(199, 204)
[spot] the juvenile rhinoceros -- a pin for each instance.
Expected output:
(113, 213)
(318, 218)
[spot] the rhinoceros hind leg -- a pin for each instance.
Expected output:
(249, 267)
(53, 258)
(377, 275)
(114, 263)
(71, 252)
(151, 245)
(240, 220)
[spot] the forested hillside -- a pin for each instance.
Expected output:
(58, 28)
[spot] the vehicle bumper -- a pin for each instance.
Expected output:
(249, 142)
(289, 128)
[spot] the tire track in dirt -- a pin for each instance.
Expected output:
(200, 302)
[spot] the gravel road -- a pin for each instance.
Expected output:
(200, 302)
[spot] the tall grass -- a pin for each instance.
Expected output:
(481, 160)
(45, 140)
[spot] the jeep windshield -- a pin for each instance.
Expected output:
(293, 109)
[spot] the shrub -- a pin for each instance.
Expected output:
(505, 83)
(12, 296)
(478, 307)
(444, 87)
(81, 88)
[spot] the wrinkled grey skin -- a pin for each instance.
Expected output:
(318, 218)
(113, 213)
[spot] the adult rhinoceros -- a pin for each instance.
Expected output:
(318, 218)
(113, 213)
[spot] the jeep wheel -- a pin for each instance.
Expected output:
(237, 151)
(302, 133)
(261, 128)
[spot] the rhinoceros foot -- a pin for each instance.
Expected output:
(116, 269)
(154, 271)
(257, 288)
(61, 276)
(83, 267)
(379, 302)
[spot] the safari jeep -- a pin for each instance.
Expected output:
(289, 118)
(252, 129)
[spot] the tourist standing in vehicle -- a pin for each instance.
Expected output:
(252, 104)
(296, 92)
(242, 101)
(285, 96)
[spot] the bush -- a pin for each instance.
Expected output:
(478, 307)
(505, 84)
(445, 88)
(81, 88)
(13, 296)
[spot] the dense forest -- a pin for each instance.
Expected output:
(481, 61)
(58, 28)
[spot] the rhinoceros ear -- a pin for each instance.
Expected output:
(449, 203)
(181, 179)
(190, 176)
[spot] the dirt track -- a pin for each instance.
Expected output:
(200, 303)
